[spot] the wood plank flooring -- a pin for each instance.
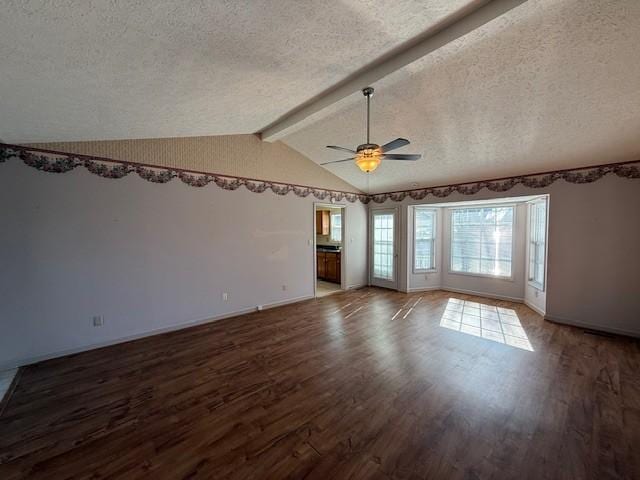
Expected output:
(361, 384)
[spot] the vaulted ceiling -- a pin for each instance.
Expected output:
(549, 84)
(92, 69)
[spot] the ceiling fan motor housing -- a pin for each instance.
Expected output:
(373, 147)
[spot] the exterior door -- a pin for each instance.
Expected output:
(384, 258)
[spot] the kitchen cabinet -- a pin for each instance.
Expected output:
(321, 264)
(323, 222)
(328, 266)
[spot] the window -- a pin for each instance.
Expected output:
(424, 234)
(537, 242)
(336, 226)
(482, 240)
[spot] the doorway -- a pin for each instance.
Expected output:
(329, 234)
(384, 258)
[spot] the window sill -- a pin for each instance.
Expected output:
(483, 275)
(536, 285)
(421, 272)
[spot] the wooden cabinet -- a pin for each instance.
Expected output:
(328, 266)
(321, 264)
(323, 222)
(333, 267)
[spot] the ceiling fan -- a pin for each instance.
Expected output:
(369, 155)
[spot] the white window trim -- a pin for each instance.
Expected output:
(514, 225)
(434, 269)
(537, 285)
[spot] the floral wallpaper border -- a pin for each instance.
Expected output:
(536, 180)
(59, 162)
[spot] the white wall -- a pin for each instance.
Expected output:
(594, 255)
(593, 264)
(146, 256)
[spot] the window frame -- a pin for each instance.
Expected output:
(434, 257)
(531, 281)
(331, 215)
(514, 225)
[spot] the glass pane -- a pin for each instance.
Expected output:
(336, 227)
(537, 240)
(383, 246)
(424, 234)
(481, 240)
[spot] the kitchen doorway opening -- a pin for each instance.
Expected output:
(329, 235)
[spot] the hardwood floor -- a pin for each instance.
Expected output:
(360, 384)
(326, 288)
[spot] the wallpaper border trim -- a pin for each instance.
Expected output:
(578, 175)
(60, 162)
(52, 161)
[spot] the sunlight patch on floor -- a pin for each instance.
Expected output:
(493, 323)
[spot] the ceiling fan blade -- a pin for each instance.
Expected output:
(392, 145)
(341, 148)
(338, 161)
(401, 156)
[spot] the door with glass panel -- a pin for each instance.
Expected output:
(383, 248)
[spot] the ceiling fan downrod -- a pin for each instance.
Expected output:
(368, 92)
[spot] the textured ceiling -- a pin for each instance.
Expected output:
(92, 69)
(551, 84)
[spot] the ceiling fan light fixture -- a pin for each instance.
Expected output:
(368, 163)
(369, 155)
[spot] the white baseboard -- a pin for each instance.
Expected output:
(423, 289)
(357, 285)
(483, 294)
(590, 326)
(467, 292)
(535, 308)
(276, 304)
(20, 362)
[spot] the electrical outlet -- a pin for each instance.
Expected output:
(98, 320)
(259, 308)
(225, 297)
